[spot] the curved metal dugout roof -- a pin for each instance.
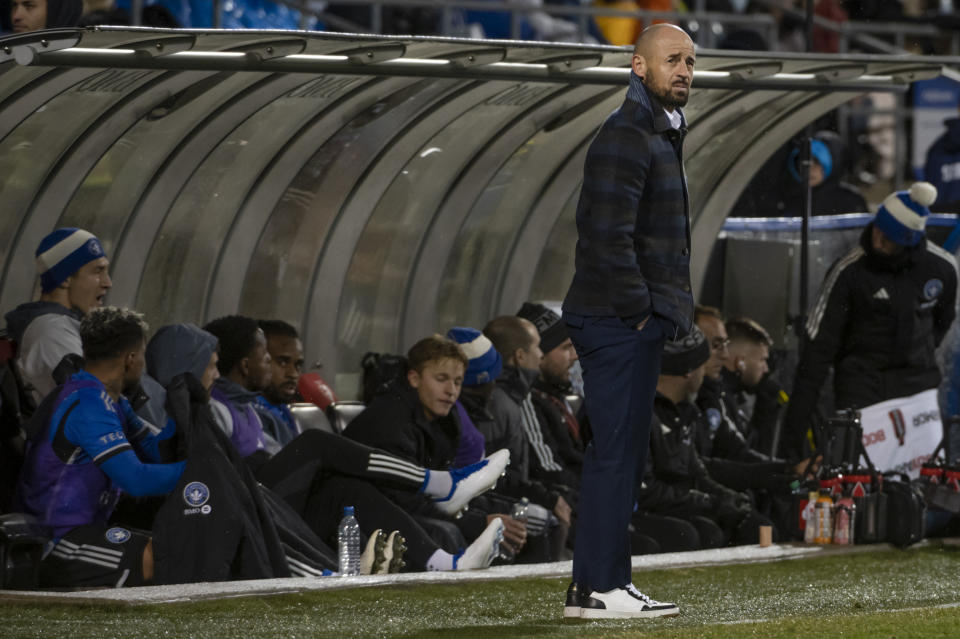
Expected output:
(369, 190)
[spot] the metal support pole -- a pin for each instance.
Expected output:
(807, 197)
(217, 14)
(376, 17)
(136, 12)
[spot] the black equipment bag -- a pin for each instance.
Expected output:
(906, 510)
(22, 541)
(382, 374)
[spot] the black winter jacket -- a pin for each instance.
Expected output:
(396, 423)
(878, 321)
(633, 219)
(675, 481)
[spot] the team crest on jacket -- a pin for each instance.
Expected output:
(932, 289)
(715, 418)
(196, 494)
(117, 535)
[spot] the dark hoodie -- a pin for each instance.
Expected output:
(943, 168)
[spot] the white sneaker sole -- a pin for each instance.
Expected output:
(603, 613)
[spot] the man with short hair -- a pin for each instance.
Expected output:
(882, 312)
(719, 442)
(518, 342)
(746, 374)
(558, 423)
(630, 292)
(74, 279)
(92, 447)
(286, 362)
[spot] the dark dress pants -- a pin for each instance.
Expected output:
(620, 369)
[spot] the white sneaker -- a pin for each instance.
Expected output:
(626, 602)
(483, 550)
(472, 480)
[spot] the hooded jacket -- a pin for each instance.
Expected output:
(877, 321)
(633, 220)
(513, 410)
(45, 332)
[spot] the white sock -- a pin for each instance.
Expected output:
(437, 484)
(440, 560)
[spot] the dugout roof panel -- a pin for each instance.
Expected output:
(371, 190)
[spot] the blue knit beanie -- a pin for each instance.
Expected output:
(903, 215)
(819, 152)
(62, 253)
(485, 362)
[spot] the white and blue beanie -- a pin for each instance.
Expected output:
(62, 253)
(903, 215)
(485, 362)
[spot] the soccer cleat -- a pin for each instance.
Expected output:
(393, 554)
(472, 480)
(373, 553)
(483, 550)
(622, 603)
(571, 608)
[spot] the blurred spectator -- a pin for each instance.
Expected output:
(33, 15)
(827, 40)
(829, 193)
(393, 20)
(942, 168)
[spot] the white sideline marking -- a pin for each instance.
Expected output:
(944, 606)
(230, 589)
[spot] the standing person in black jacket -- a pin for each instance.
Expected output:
(630, 292)
(882, 311)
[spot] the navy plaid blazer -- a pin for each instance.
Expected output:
(633, 220)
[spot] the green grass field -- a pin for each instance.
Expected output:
(877, 595)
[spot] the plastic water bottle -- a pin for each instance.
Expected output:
(518, 513)
(348, 538)
(520, 510)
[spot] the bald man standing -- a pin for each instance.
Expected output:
(630, 292)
